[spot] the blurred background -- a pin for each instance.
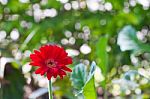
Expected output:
(113, 33)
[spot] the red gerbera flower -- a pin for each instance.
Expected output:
(52, 60)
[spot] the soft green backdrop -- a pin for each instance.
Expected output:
(115, 34)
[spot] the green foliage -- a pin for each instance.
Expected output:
(102, 54)
(82, 82)
(127, 40)
(102, 30)
(79, 76)
(13, 86)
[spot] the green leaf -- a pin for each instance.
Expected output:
(127, 40)
(82, 82)
(102, 54)
(89, 88)
(79, 76)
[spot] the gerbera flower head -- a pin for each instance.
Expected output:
(52, 60)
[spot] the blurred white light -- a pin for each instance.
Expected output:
(14, 35)
(116, 89)
(24, 1)
(63, 1)
(4, 2)
(36, 6)
(64, 41)
(134, 59)
(26, 68)
(86, 29)
(145, 7)
(72, 40)
(126, 84)
(67, 6)
(72, 52)
(126, 4)
(50, 12)
(85, 49)
(132, 3)
(86, 62)
(37, 15)
(145, 3)
(93, 5)
(82, 4)
(108, 49)
(77, 26)
(126, 10)
(138, 91)
(68, 34)
(144, 73)
(27, 53)
(125, 68)
(18, 55)
(29, 12)
(98, 75)
(144, 31)
(128, 92)
(101, 7)
(44, 2)
(75, 5)
(143, 81)
(108, 6)
(81, 35)
(2, 35)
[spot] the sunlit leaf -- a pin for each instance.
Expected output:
(89, 90)
(102, 54)
(82, 82)
(127, 40)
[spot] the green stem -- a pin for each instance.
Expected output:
(50, 89)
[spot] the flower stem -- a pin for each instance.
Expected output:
(50, 89)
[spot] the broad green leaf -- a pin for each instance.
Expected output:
(89, 88)
(102, 54)
(127, 40)
(82, 82)
(79, 76)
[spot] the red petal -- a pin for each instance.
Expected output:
(55, 72)
(34, 57)
(35, 64)
(61, 76)
(38, 53)
(49, 75)
(44, 70)
(62, 54)
(55, 52)
(44, 51)
(38, 71)
(62, 72)
(66, 69)
(66, 61)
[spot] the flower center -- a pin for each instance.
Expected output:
(50, 63)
